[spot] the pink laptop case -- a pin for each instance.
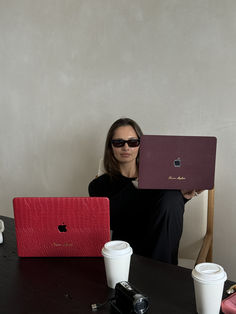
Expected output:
(61, 226)
(177, 162)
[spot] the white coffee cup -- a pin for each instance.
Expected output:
(209, 279)
(1, 230)
(117, 261)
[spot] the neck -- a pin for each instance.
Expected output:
(128, 170)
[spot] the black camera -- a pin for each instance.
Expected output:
(129, 300)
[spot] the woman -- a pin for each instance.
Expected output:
(150, 220)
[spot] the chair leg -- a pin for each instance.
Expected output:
(209, 255)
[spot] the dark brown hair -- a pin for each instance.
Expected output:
(111, 165)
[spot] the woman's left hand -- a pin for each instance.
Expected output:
(190, 194)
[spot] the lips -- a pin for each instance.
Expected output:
(125, 155)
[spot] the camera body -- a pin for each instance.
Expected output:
(129, 300)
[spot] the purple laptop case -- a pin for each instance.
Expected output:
(177, 162)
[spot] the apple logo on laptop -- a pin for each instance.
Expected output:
(177, 162)
(62, 227)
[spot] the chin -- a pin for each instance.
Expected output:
(123, 160)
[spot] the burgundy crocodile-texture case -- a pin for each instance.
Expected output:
(177, 162)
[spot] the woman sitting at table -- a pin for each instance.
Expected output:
(150, 220)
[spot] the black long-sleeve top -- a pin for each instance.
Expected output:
(129, 206)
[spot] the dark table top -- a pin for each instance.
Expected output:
(71, 285)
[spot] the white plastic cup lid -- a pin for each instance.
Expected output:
(116, 248)
(209, 272)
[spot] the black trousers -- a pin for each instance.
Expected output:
(155, 229)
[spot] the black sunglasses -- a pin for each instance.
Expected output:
(120, 143)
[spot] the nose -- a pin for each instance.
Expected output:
(126, 146)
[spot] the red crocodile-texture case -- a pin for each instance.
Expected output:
(84, 221)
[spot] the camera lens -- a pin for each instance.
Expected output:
(141, 305)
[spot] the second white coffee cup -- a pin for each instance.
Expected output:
(209, 279)
(117, 256)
